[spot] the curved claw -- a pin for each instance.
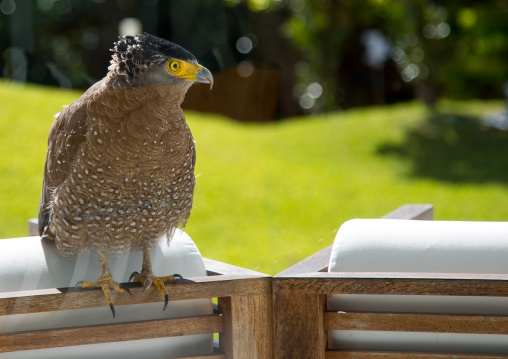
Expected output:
(106, 284)
(133, 275)
(166, 300)
(148, 283)
(127, 289)
(112, 307)
(147, 278)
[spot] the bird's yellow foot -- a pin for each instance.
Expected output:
(147, 278)
(105, 284)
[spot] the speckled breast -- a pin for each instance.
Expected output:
(124, 192)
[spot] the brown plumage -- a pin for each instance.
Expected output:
(119, 171)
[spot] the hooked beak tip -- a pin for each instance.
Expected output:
(205, 76)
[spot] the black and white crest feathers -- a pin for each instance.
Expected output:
(134, 55)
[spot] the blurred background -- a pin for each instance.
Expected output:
(311, 56)
(321, 111)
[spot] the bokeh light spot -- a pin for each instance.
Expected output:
(130, 26)
(7, 7)
(244, 45)
(443, 30)
(244, 69)
(306, 101)
(315, 90)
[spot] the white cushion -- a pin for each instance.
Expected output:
(29, 263)
(383, 245)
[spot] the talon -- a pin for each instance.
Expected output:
(112, 307)
(146, 278)
(148, 283)
(105, 282)
(133, 275)
(127, 289)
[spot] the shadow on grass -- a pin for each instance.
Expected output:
(454, 148)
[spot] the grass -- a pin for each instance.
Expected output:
(271, 194)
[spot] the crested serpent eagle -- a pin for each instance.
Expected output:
(119, 171)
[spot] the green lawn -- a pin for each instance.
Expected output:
(269, 195)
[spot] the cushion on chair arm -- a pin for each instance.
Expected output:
(385, 245)
(29, 263)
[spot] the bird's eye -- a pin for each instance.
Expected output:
(174, 66)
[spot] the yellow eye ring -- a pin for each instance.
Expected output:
(174, 66)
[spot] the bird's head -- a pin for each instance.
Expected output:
(147, 59)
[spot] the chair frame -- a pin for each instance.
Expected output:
(242, 316)
(258, 316)
(301, 320)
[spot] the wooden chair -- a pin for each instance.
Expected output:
(302, 322)
(242, 316)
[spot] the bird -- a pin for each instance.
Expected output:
(119, 169)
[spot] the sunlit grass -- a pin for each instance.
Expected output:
(271, 194)
(26, 114)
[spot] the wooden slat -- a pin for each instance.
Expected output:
(359, 354)
(406, 322)
(455, 284)
(107, 333)
(45, 300)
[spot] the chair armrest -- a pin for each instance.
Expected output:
(393, 283)
(214, 267)
(412, 211)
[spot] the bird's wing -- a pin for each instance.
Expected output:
(66, 135)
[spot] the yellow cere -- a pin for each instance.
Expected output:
(184, 70)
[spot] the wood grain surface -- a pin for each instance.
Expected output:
(461, 284)
(110, 333)
(53, 299)
(410, 322)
